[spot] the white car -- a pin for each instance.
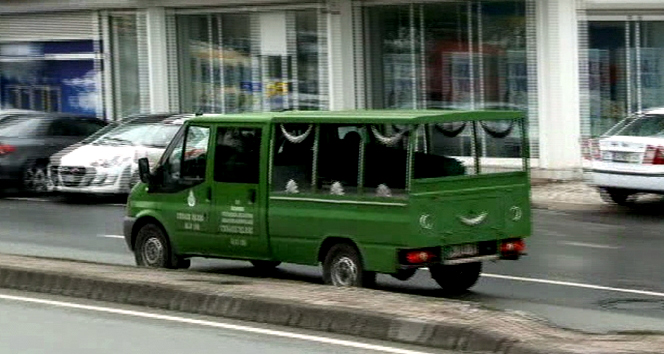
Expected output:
(107, 163)
(629, 158)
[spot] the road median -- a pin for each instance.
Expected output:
(427, 321)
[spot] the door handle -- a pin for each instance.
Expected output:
(209, 193)
(252, 195)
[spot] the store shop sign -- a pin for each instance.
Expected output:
(248, 86)
(21, 50)
(274, 88)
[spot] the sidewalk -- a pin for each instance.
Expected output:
(571, 195)
(547, 194)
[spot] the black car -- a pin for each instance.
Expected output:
(27, 141)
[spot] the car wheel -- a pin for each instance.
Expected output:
(456, 279)
(616, 196)
(404, 274)
(35, 180)
(181, 263)
(343, 267)
(152, 248)
(265, 265)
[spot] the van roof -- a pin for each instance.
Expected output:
(364, 116)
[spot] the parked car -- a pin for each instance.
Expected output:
(629, 158)
(106, 163)
(28, 140)
(5, 113)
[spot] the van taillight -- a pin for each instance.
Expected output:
(654, 155)
(512, 247)
(6, 149)
(419, 256)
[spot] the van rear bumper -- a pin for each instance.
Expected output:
(128, 226)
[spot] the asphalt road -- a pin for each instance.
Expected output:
(592, 270)
(41, 324)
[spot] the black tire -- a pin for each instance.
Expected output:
(456, 279)
(616, 196)
(74, 198)
(152, 248)
(404, 274)
(36, 180)
(343, 267)
(181, 263)
(265, 265)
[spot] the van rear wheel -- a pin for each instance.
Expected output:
(455, 279)
(343, 267)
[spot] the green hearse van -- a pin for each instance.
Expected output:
(362, 192)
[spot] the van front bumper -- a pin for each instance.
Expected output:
(128, 226)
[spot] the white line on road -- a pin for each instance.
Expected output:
(576, 285)
(111, 236)
(25, 199)
(570, 284)
(44, 200)
(154, 316)
(590, 245)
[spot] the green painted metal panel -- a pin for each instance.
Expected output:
(434, 212)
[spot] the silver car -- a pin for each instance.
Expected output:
(107, 163)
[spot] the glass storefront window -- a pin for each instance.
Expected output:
(263, 61)
(625, 70)
(127, 93)
(448, 55)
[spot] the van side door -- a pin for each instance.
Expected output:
(182, 192)
(239, 198)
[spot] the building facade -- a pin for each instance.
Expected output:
(576, 66)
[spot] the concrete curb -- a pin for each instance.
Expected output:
(567, 206)
(106, 283)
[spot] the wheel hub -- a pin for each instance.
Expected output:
(153, 251)
(344, 272)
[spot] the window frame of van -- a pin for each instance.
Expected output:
(158, 186)
(413, 136)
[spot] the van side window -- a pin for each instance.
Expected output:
(237, 155)
(293, 156)
(386, 159)
(339, 158)
(191, 164)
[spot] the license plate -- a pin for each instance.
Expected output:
(467, 250)
(621, 156)
(68, 178)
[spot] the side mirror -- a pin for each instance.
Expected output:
(144, 170)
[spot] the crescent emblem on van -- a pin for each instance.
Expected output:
(473, 221)
(425, 222)
(516, 213)
(191, 200)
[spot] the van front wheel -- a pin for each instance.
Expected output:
(343, 267)
(457, 278)
(152, 248)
